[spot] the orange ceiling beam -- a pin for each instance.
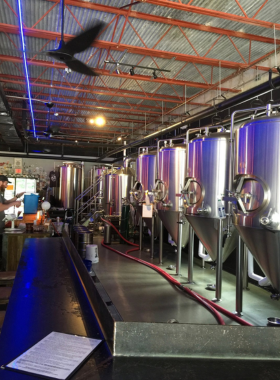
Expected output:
(89, 91)
(145, 78)
(122, 93)
(86, 107)
(212, 13)
(96, 107)
(170, 21)
(136, 121)
(108, 45)
(92, 90)
(139, 106)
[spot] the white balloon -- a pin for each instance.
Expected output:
(46, 205)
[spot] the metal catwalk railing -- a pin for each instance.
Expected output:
(90, 205)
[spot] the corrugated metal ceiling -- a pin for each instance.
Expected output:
(197, 53)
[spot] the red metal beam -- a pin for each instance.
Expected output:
(105, 108)
(212, 13)
(55, 121)
(144, 78)
(137, 121)
(94, 89)
(100, 130)
(183, 24)
(57, 96)
(44, 34)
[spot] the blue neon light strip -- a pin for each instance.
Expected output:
(25, 65)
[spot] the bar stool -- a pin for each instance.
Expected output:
(2, 317)
(5, 293)
(7, 278)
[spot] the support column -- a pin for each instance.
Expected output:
(239, 276)
(140, 233)
(179, 249)
(245, 268)
(153, 238)
(160, 240)
(219, 266)
(191, 254)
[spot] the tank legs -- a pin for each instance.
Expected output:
(219, 266)
(153, 238)
(191, 255)
(140, 233)
(160, 240)
(179, 249)
(239, 276)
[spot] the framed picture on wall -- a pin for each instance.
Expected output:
(17, 163)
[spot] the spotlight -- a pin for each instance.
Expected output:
(76, 141)
(117, 69)
(154, 75)
(100, 121)
(91, 121)
(56, 114)
(119, 138)
(49, 104)
(132, 71)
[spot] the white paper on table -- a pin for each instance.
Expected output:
(147, 211)
(55, 356)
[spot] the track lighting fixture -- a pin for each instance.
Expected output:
(132, 68)
(154, 75)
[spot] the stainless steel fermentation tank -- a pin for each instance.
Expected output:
(257, 191)
(145, 181)
(70, 183)
(171, 164)
(117, 186)
(205, 185)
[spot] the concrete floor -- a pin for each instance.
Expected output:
(141, 294)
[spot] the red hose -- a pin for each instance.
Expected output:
(211, 306)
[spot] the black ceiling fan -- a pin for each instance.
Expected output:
(52, 131)
(66, 50)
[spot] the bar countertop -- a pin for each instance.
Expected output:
(47, 296)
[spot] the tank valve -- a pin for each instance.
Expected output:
(266, 220)
(204, 209)
(167, 204)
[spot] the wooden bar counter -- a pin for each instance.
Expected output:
(12, 245)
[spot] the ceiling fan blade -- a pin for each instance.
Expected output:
(80, 67)
(60, 54)
(84, 40)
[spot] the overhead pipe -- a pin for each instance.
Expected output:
(234, 101)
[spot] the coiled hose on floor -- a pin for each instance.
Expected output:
(211, 306)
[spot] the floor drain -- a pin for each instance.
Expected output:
(211, 287)
(171, 267)
(172, 320)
